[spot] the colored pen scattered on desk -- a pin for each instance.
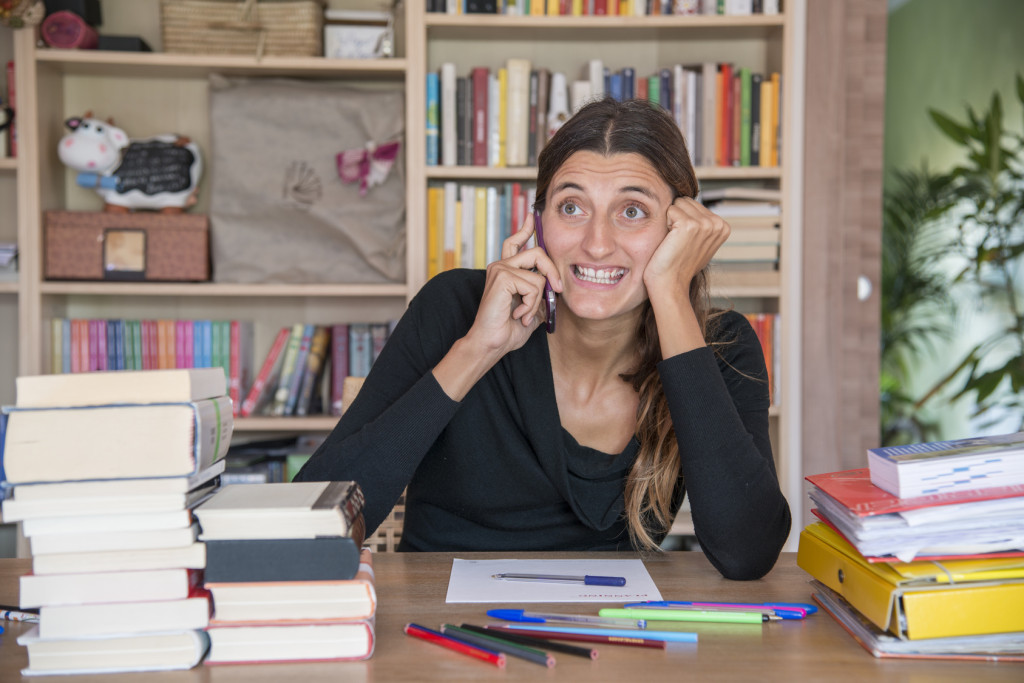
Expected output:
(540, 643)
(539, 632)
(667, 636)
(17, 615)
(498, 644)
(686, 615)
(543, 618)
(786, 610)
(587, 580)
(432, 636)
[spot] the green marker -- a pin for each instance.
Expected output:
(686, 615)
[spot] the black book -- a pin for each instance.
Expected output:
(327, 558)
(481, 6)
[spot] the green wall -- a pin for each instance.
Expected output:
(945, 54)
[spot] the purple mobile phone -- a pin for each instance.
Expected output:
(549, 294)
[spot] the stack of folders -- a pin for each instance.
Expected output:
(103, 471)
(286, 573)
(939, 574)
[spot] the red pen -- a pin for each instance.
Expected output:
(430, 635)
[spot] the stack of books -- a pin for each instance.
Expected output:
(286, 573)
(921, 554)
(103, 471)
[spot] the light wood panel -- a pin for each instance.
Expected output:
(845, 91)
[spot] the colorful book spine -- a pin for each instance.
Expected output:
(339, 364)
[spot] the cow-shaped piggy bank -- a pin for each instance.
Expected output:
(161, 172)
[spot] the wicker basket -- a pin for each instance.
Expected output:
(291, 28)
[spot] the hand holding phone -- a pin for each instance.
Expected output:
(549, 293)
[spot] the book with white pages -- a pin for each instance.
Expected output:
(105, 654)
(173, 519)
(987, 526)
(76, 542)
(62, 390)
(190, 556)
(18, 509)
(101, 587)
(104, 488)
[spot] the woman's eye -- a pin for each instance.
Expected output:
(570, 209)
(634, 213)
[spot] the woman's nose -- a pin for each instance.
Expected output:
(598, 238)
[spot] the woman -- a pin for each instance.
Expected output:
(510, 438)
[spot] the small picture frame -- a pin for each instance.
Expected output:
(124, 254)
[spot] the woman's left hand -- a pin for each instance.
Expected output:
(694, 235)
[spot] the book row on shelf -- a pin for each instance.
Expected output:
(919, 554)
(584, 8)
(467, 223)
(728, 114)
(170, 567)
(303, 373)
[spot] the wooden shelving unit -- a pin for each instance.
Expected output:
(170, 92)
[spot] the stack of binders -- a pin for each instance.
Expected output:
(938, 575)
(286, 573)
(103, 471)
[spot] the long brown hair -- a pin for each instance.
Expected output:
(636, 126)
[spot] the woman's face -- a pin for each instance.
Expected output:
(603, 219)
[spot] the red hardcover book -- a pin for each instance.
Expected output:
(601, 7)
(854, 490)
(266, 377)
(99, 328)
(481, 84)
(725, 121)
(179, 344)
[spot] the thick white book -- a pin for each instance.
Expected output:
(283, 510)
(84, 524)
(103, 654)
(77, 542)
(449, 136)
(125, 618)
(191, 556)
(103, 587)
(115, 441)
(518, 112)
(123, 386)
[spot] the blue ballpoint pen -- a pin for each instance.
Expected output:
(785, 610)
(588, 580)
(542, 618)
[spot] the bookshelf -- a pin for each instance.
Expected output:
(761, 43)
(160, 92)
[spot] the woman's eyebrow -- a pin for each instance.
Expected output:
(639, 189)
(567, 185)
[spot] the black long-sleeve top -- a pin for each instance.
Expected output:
(496, 471)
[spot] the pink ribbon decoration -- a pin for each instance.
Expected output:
(368, 166)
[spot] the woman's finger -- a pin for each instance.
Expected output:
(515, 242)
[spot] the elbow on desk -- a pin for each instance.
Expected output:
(755, 554)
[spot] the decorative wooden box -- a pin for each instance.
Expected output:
(93, 245)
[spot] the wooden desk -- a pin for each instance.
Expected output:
(412, 587)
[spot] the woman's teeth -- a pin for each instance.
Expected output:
(604, 276)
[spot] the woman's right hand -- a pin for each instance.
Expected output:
(510, 310)
(511, 306)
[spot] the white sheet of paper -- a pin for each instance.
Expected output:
(471, 581)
